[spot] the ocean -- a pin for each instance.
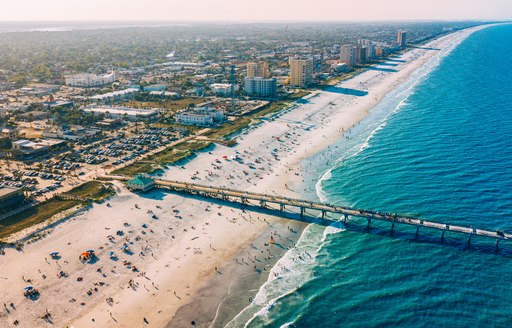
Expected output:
(439, 147)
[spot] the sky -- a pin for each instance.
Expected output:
(253, 10)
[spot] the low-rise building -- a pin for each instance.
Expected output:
(116, 95)
(124, 113)
(341, 67)
(70, 134)
(164, 93)
(155, 87)
(25, 148)
(58, 103)
(11, 134)
(223, 89)
(140, 183)
(203, 116)
(10, 197)
(90, 80)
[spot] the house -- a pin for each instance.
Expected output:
(140, 183)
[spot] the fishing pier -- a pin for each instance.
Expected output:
(322, 209)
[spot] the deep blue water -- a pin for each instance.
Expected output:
(439, 147)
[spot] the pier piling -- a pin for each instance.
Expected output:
(246, 197)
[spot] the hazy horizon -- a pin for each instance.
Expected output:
(245, 11)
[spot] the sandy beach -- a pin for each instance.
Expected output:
(190, 261)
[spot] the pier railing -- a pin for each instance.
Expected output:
(244, 197)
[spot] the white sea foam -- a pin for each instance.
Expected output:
(332, 229)
(375, 123)
(289, 273)
(295, 268)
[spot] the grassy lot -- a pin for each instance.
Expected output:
(171, 105)
(192, 145)
(34, 215)
(297, 95)
(168, 156)
(178, 152)
(240, 123)
(229, 128)
(270, 108)
(134, 169)
(92, 189)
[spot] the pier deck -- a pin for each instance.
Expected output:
(244, 197)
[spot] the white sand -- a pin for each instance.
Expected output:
(177, 267)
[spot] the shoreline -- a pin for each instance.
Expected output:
(320, 148)
(188, 259)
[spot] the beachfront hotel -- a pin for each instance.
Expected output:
(402, 39)
(258, 69)
(301, 71)
(202, 116)
(348, 55)
(258, 86)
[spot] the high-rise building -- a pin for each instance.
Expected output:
(370, 48)
(348, 55)
(361, 55)
(258, 86)
(402, 39)
(318, 61)
(301, 71)
(258, 69)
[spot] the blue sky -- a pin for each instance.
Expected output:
(256, 10)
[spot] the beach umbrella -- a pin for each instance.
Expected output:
(29, 288)
(90, 251)
(54, 254)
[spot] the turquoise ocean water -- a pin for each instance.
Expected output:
(439, 147)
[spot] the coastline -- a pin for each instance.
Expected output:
(308, 193)
(196, 267)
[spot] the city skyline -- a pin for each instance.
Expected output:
(232, 10)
